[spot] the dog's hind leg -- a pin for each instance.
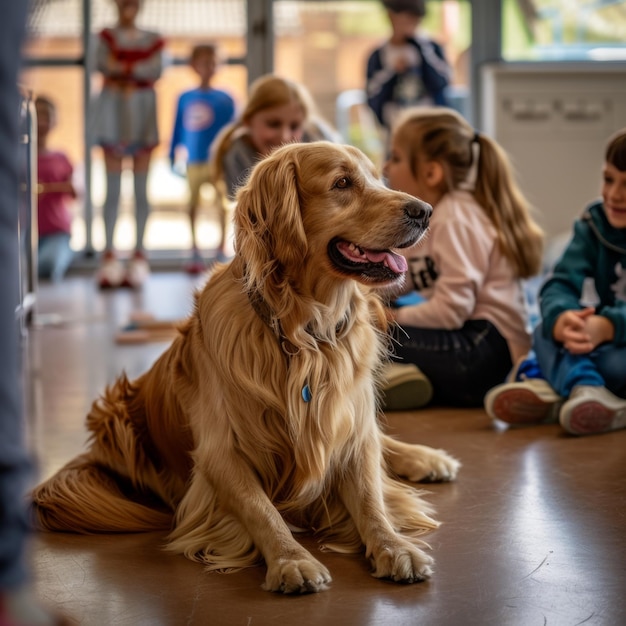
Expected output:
(85, 497)
(114, 487)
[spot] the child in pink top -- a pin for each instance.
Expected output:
(472, 324)
(55, 194)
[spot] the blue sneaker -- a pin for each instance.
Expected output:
(527, 367)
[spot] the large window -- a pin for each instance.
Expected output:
(55, 51)
(564, 30)
(323, 43)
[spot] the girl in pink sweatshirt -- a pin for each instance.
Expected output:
(472, 323)
(56, 193)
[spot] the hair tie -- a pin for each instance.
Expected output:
(469, 184)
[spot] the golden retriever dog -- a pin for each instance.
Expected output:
(261, 417)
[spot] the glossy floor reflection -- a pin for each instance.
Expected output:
(534, 530)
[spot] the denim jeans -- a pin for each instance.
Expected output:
(462, 364)
(54, 256)
(14, 459)
(605, 366)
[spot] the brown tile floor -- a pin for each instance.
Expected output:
(534, 529)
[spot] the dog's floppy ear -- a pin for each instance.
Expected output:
(269, 234)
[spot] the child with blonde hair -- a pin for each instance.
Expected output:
(472, 324)
(278, 111)
(577, 375)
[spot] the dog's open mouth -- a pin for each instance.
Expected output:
(375, 265)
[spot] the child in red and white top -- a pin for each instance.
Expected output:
(130, 60)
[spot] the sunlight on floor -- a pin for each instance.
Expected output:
(168, 225)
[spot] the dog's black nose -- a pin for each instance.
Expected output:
(418, 211)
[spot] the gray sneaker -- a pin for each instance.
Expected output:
(530, 401)
(404, 387)
(593, 410)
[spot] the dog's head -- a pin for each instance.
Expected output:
(318, 212)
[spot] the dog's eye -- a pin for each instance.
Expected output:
(342, 183)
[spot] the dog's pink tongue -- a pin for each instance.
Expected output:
(395, 262)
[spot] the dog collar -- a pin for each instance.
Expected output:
(262, 309)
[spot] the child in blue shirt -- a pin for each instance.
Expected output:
(200, 115)
(579, 373)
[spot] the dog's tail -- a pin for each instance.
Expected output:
(85, 497)
(114, 487)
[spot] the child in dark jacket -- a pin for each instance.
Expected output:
(579, 373)
(407, 70)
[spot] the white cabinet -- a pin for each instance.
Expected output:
(554, 121)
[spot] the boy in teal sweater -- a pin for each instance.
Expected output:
(578, 372)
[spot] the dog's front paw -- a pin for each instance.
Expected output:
(402, 563)
(440, 466)
(297, 576)
(420, 463)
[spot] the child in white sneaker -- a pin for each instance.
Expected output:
(578, 372)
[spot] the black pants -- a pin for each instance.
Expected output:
(462, 365)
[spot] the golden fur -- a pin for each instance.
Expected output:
(217, 443)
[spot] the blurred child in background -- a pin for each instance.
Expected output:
(56, 193)
(410, 69)
(130, 60)
(200, 115)
(278, 111)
